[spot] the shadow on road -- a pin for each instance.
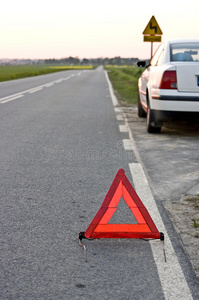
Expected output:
(182, 128)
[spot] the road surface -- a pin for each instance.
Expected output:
(61, 145)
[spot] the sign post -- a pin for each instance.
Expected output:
(152, 33)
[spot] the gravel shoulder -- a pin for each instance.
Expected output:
(184, 214)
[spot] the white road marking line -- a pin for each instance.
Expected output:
(11, 99)
(35, 90)
(7, 97)
(114, 99)
(120, 117)
(17, 94)
(123, 128)
(49, 84)
(127, 145)
(172, 279)
(118, 110)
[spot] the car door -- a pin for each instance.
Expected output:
(148, 75)
(143, 87)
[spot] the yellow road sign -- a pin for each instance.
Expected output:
(152, 38)
(152, 27)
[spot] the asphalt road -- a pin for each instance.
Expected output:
(60, 149)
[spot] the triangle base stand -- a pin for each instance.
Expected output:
(82, 236)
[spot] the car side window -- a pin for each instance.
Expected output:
(158, 56)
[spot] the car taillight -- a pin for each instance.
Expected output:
(169, 80)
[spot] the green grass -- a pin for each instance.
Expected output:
(195, 223)
(194, 202)
(21, 71)
(125, 82)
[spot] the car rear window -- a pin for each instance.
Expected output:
(185, 52)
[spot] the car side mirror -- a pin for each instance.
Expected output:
(141, 63)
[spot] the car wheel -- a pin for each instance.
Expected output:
(151, 124)
(141, 111)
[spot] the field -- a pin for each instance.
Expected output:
(21, 71)
(125, 82)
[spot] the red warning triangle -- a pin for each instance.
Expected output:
(100, 227)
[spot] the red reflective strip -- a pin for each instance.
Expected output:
(127, 197)
(134, 196)
(117, 196)
(137, 214)
(125, 235)
(108, 215)
(122, 228)
(113, 188)
(148, 219)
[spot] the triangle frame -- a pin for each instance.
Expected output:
(99, 227)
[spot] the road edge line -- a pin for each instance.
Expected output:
(113, 98)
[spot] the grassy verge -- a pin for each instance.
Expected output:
(22, 71)
(125, 82)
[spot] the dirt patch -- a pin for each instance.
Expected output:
(184, 214)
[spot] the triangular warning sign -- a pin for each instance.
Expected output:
(100, 226)
(152, 27)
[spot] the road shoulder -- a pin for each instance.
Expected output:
(184, 214)
(184, 211)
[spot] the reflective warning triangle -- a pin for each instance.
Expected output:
(100, 227)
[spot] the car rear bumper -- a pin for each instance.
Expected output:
(176, 98)
(166, 115)
(172, 100)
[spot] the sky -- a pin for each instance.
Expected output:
(89, 29)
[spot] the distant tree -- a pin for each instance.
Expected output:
(117, 60)
(85, 61)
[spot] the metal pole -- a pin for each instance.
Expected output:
(151, 49)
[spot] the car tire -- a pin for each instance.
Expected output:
(151, 124)
(141, 111)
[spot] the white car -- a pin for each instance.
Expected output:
(169, 86)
